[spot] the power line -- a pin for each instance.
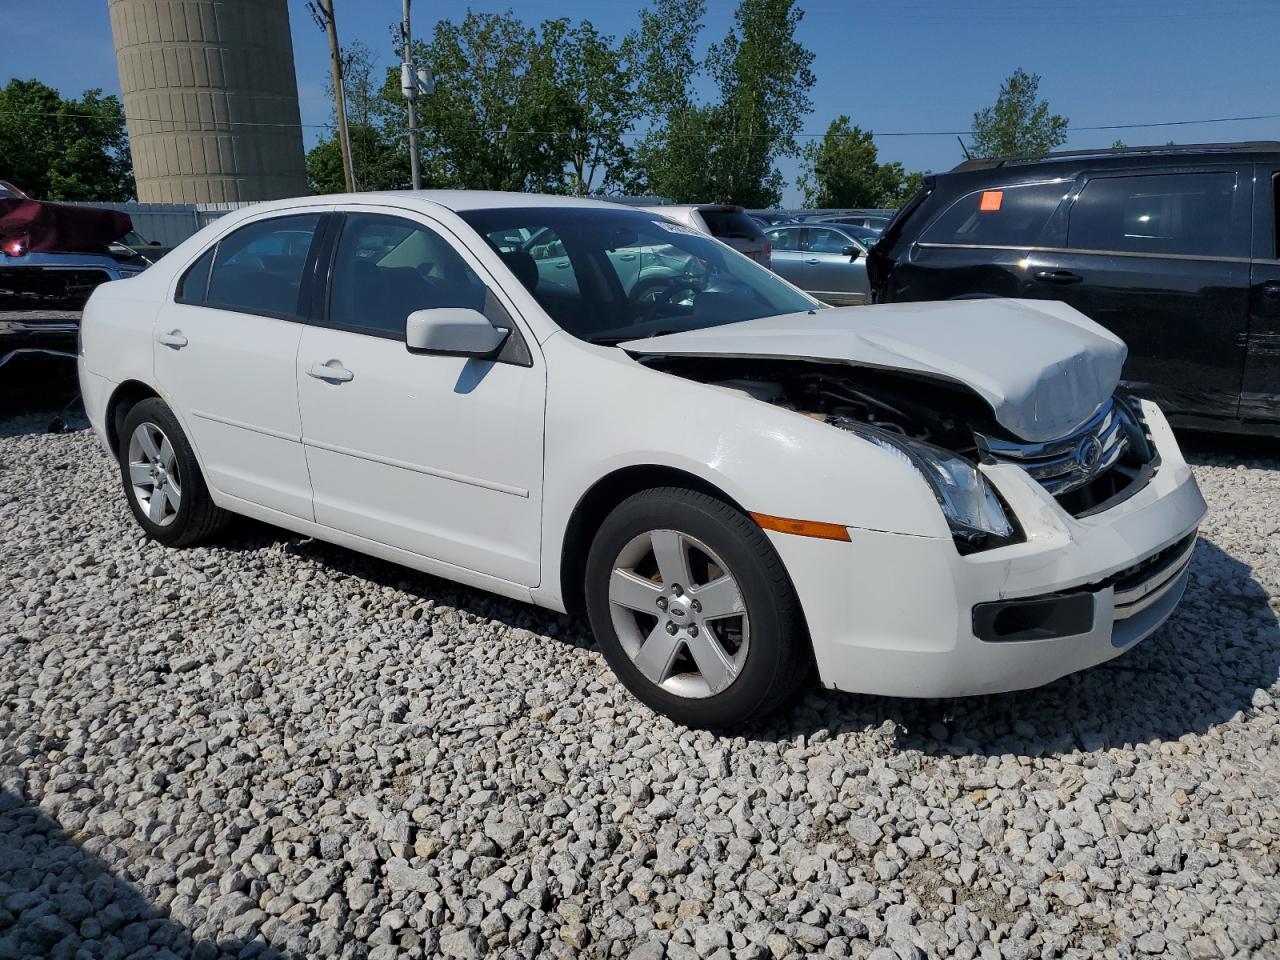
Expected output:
(1073, 128)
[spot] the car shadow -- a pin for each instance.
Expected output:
(1200, 669)
(59, 899)
(1229, 450)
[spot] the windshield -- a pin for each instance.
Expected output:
(609, 275)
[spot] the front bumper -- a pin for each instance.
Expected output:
(895, 615)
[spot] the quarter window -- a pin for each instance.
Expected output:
(1013, 216)
(195, 282)
(258, 268)
(385, 268)
(1179, 213)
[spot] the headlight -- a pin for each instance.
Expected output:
(972, 509)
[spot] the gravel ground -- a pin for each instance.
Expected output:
(276, 748)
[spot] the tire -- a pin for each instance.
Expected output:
(183, 513)
(757, 661)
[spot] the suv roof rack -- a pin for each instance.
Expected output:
(1248, 146)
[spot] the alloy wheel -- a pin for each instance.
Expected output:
(153, 474)
(679, 613)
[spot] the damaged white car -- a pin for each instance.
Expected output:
(594, 409)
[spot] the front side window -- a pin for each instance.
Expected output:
(784, 240)
(1177, 213)
(258, 268)
(1013, 216)
(385, 268)
(635, 274)
(826, 240)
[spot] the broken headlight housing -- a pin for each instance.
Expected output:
(973, 511)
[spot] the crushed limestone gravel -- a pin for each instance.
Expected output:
(275, 748)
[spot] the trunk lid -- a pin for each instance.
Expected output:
(1043, 367)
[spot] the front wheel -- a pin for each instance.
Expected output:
(693, 609)
(162, 479)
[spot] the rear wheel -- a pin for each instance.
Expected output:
(693, 609)
(162, 479)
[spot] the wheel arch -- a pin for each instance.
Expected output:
(601, 498)
(123, 399)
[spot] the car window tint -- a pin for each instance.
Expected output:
(826, 240)
(1012, 216)
(195, 282)
(1179, 213)
(385, 268)
(730, 224)
(258, 268)
(785, 239)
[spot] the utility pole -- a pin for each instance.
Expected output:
(409, 84)
(330, 25)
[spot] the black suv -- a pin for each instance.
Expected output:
(1172, 248)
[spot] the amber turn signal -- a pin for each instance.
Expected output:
(802, 528)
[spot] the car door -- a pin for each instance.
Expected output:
(1260, 392)
(1161, 258)
(440, 456)
(788, 259)
(829, 273)
(225, 357)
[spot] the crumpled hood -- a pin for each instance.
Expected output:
(1043, 366)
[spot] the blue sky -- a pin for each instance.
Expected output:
(910, 65)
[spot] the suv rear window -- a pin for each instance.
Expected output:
(734, 224)
(1012, 216)
(1174, 213)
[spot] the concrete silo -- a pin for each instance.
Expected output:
(210, 98)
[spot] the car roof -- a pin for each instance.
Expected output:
(458, 201)
(1123, 156)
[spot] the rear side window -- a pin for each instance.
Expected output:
(1177, 213)
(195, 282)
(258, 268)
(788, 239)
(1013, 216)
(731, 224)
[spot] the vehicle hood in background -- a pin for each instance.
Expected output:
(1043, 367)
(52, 227)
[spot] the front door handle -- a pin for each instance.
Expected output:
(173, 338)
(1058, 276)
(812, 261)
(332, 370)
(1271, 288)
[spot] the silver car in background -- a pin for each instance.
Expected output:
(726, 222)
(825, 260)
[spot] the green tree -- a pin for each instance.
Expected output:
(64, 149)
(1018, 124)
(485, 126)
(764, 76)
(379, 151)
(582, 78)
(843, 170)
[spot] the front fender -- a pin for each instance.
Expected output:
(607, 412)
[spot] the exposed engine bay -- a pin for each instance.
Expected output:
(943, 414)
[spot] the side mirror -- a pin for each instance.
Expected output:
(852, 252)
(453, 332)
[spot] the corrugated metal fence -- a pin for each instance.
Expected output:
(170, 223)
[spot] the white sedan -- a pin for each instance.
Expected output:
(734, 483)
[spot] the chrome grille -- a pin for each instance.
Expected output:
(1072, 461)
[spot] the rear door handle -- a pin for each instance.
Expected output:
(173, 338)
(332, 370)
(1058, 276)
(813, 260)
(1271, 288)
